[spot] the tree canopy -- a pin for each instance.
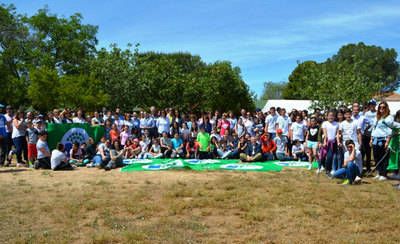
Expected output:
(357, 72)
(49, 61)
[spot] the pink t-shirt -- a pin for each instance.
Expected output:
(224, 125)
(124, 137)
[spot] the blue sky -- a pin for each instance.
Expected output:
(264, 38)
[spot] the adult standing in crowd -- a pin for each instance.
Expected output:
(380, 138)
(369, 122)
(3, 136)
(270, 122)
(18, 136)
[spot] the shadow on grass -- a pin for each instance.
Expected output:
(12, 171)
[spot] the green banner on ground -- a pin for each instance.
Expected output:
(71, 133)
(196, 164)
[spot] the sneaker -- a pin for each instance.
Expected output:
(382, 178)
(36, 165)
(21, 165)
(226, 154)
(376, 177)
(90, 165)
(332, 172)
(318, 171)
(357, 179)
(395, 176)
(322, 168)
(346, 182)
(309, 166)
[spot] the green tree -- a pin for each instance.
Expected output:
(43, 91)
(356, 73)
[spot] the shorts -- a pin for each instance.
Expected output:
(312, 144)
(32, 151)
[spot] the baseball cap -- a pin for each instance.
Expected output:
(372, 102)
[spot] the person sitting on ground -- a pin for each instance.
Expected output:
(352, 166)
(103, 153)
(44, 154)
(90, 151)
(253, 151)
(298, 152)
(177, 147)
(155, 149)
(59, 160)
(116, 157)
(282, 153)
(144, 146)
(192, 148)
(133, 150)
(75, 154)
(204, 141)
(268, 146)
(166, 145)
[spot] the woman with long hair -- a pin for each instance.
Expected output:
(380, 138)
(18, 137)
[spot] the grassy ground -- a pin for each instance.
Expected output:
(93, 206)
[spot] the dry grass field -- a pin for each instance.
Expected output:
(94, 206)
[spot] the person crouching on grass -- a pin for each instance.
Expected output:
(352, 166)
(59, 160)
(253, 152)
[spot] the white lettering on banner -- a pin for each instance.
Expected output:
(293, 164)
(241, 167)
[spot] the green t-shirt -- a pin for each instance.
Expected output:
(204, 141)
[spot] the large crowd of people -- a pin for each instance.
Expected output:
(341, 140)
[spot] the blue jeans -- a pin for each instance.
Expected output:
(350, 172)
(331, 162)
(282, 156)
(98, 160)
(268, 156)
(21, 147)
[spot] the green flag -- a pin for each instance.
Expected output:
(71, 133)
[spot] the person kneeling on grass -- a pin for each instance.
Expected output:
(253, 152)
(59, 160)
(43, 161)
(352, 166)
(298, 152)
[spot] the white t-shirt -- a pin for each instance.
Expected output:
(283, 124)
(331, 129)
(162, 124)
(349, 130)
(9, 120)
(297, 148)
(298, 131)
(270, 120)
(78, 120)
(39, 145)
(358, 160)
(56, 158)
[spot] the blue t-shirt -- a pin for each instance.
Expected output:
(176, 142)
(3, 124)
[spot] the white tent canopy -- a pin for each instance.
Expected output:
(289, 105)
